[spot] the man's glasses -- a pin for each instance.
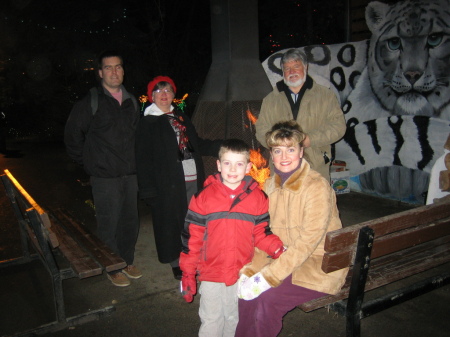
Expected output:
(297, 67)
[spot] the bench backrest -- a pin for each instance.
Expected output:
(418, 229)
(23, 203)
(404, 244)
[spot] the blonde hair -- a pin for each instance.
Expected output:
(236, 146)
(287, 133)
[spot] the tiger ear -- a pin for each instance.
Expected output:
(375, 15)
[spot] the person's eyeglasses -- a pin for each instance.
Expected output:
(297, 67)
(167, 91)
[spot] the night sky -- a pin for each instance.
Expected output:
(48, 49)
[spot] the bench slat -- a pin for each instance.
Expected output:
(410, 237)
(80, 261)
(388, 244)
(101, 252)
(346, 236)
(385, 273)
(394, 257)
(412, 251)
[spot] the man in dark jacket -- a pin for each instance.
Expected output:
(102, 141)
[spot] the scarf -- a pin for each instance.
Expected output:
(184, 146)
(295, 106)
(285, 175)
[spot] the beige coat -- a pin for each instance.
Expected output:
(320, 117)
(301, 211)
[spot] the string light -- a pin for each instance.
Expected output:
(104, 30)
(143, 99)
(180, 102)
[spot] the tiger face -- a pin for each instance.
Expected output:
(409, 56)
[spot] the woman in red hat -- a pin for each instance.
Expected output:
(169, 166)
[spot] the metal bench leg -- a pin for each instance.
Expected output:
(17, 212)
(51, 266)
(360, 271)
(58, 297)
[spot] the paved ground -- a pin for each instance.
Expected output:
(152, 306)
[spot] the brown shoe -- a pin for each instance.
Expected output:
(119, 279)
(132, 272)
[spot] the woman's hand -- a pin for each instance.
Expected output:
(250, 288)
(240, 282)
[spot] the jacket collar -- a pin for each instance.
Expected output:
(282, 87)
(153, 110)
(249, 186)
(249, 182)
(293, 183)
(125, 93)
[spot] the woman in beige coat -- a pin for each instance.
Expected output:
(302, 208)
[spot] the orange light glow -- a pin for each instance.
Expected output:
(143, 98)
(178, 100)
(259, 171)
(251, 117)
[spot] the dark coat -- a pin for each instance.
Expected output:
(161, 178)
(103, 143)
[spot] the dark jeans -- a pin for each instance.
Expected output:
(117, 215)
(263, 316)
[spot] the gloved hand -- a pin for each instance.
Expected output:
(278, 252)
(188, 287)
(253, 287)
(240, 282)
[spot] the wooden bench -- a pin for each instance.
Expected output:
(382, 251)
(66, 248)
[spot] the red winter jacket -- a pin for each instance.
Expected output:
(220, 232)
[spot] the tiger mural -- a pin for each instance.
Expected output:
(394, 91)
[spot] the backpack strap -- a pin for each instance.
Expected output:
(135, 103)
(94, 100)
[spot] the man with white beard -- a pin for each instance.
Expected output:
(313, 106)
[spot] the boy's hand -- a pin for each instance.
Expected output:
(278, 252)
(188, 287)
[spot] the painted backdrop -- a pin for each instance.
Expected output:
(394, 91)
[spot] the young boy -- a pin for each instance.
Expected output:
(224, 223)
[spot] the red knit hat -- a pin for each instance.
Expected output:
(151, 85)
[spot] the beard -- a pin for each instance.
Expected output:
(295, 84)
